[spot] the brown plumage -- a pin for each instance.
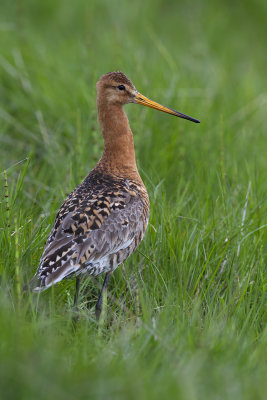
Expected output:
(105, 218)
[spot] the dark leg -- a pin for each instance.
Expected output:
(98, 307)
(76, 296)
(75, 316)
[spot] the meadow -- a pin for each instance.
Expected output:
(186, 319)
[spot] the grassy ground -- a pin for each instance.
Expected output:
(186, 320)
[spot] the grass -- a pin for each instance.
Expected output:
(200, 273)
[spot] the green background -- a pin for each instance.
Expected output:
(187, 317)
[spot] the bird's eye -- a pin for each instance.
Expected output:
(121, 87)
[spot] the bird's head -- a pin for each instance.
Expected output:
(115, 88)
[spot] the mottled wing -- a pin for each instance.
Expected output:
(96, 236)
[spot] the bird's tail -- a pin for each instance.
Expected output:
(36, 284)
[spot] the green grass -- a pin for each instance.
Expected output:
(187, 318)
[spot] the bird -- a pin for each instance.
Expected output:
(104, 219)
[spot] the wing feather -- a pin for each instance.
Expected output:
(85, 238)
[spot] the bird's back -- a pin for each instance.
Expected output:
(98, 226)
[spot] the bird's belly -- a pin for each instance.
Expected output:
(110, 262)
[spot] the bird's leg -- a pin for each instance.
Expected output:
(76, 296)
(98, 307)
(75, 317)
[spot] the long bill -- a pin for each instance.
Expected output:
(144, 101)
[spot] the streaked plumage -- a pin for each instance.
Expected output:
(99, 225)
(105, 218)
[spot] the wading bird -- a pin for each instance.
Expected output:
(104, 219)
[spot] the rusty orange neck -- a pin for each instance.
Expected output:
(118, 156)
